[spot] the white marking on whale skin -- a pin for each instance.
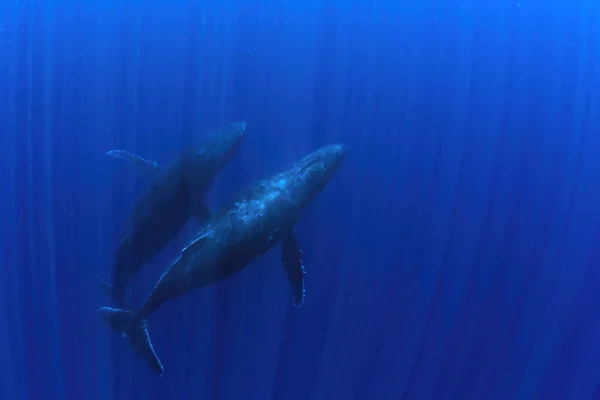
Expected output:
(281, 184)
(248, 210)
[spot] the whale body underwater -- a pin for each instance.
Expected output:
(258, 219)
(173, 196)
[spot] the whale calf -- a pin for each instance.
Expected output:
(173, 196)
(258, 219)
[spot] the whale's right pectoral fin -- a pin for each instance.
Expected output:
(291, 258)
(146, 167)
(204, 234)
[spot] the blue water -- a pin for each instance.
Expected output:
(454, 256)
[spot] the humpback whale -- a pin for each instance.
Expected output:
(258, 219)
(174, 195)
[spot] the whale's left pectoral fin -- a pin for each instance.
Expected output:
(147, 168)
(291, 257)
(204, 234)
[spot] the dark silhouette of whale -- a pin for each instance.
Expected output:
(254, 222)
(174, 195)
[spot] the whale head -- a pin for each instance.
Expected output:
(219, 148)
(316, 169)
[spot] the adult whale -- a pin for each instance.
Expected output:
(258, 218)
(174, 195)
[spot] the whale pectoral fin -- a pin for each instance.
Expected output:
(146, 167)
(204, 234)
(291, 258)
(202, 212)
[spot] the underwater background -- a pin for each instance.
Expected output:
(456, 254)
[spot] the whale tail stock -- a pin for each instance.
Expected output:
(125, 323)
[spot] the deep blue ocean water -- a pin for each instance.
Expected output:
(454, 256)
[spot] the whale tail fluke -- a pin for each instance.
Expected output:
(124, 323)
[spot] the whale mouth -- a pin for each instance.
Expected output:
(223, 143)
(321, 163)
(327, 157)
(338, 152)
(236, 131)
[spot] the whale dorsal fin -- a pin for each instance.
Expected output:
(146, 167)
(291, 258)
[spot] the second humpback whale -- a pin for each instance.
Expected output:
(174, 195)
(257, 220)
